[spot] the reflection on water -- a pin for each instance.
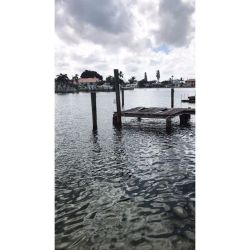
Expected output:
(127, 189)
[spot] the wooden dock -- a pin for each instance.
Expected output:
(142, 112)
(158, 113)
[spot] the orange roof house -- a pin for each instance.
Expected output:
(93, 80)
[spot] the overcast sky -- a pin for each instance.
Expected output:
(135, 36)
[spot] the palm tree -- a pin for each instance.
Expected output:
(120, 74)
(132, 80)
(120, 78)
(75, 78)
(158, 75)
(62, 80)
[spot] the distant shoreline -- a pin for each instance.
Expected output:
(102, 90)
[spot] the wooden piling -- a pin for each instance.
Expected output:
(184, 119)
(118, 103)
(94, 114)
(168, 124)
(172, 97)
(122, 97)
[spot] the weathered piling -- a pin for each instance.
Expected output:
(184, 119)
(94, 114)
(118, 119)
(172, 97)
(168, 124)
(122, 97)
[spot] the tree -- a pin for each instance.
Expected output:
(120, 74)
(132, 80)
(75, 79)
(63, 83)
(158, 75)
(121, 82)
(145, 77)
(110, 80)
(142, 83)
(62, 78)
(181, 81)
(91, 74)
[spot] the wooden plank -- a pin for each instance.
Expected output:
(160, 111)
(172, 112)
(150, 111)
(133, 109)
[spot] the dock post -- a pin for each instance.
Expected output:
(93, 105)
(168, 124)
(184, 119)
(172, 97)
(118, 103)
(122, 97)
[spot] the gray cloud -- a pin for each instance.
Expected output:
(96, 20)
(108, 16)
(175, 23)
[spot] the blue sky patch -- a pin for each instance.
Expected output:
(163, 48)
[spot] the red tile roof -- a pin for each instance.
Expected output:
(88, 80)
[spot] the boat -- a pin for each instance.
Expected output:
(191, 99)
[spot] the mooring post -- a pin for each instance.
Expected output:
(172, 97)
(118, 103)
(184, 119)
(168, 124)
(93, 105)
(122, 97)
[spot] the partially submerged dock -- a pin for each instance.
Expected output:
(157, 113)
(142, 112)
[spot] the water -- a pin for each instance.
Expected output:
(118, 189)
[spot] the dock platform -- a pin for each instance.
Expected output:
(158, 113)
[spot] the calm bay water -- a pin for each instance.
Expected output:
(120, 189)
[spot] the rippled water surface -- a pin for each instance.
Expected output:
(127, 189)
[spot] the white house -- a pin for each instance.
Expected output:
(89, 83)
(105, 86)
(177, 82)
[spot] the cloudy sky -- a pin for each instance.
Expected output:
(135, 36)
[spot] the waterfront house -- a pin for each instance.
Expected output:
(106, 87)
(89, 83)
(190, 83)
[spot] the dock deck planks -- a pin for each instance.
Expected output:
(156, 112)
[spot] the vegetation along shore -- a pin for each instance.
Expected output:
(91, 80)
